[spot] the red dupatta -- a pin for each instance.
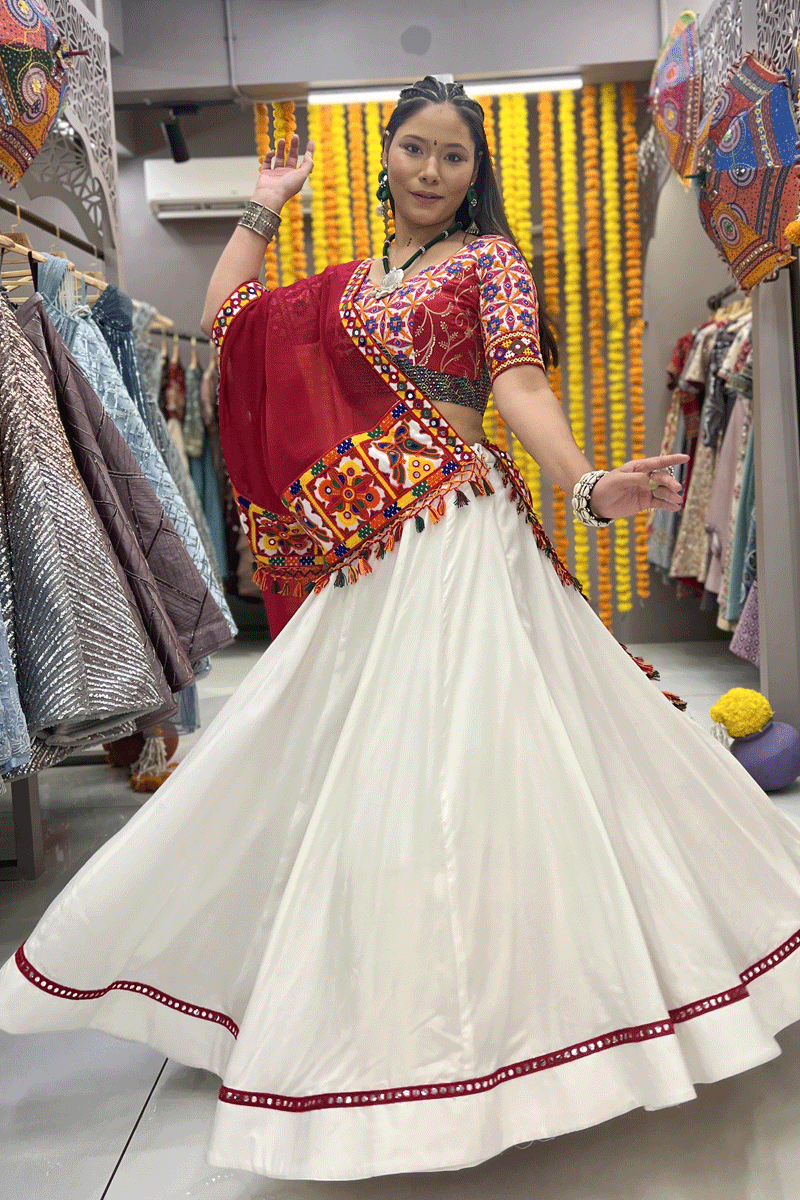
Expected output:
(329, 446)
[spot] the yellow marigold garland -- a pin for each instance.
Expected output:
(373, 131)
(319, 240)
(261, 114)
(331, 207)
(633, 279)
(284, 125)
(340, 160)
(547, 184)
(592, 200)
(387, 108)
(515, 173)
(573, 305)
(358, 182)
(609, 142)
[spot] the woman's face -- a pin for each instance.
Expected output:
(431, 164)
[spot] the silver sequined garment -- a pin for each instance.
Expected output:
(88, 346)
(82, 669)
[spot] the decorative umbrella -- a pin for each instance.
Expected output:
(676, 90)
(33, 83)
(749, 173)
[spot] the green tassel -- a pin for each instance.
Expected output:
(340, 579)
(276, 587)
(420, 524)
(461, 500)
(309, 588)
(476, 491)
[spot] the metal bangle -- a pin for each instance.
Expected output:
(581, 494)
(260, 219)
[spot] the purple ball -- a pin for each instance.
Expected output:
(772, 756)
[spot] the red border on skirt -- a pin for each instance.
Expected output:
(464, 1087)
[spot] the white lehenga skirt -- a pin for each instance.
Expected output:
(447, 874)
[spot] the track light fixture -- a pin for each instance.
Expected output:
(173, 134)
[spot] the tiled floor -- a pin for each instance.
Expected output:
(84, 1116)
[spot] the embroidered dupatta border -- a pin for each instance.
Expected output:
(354, 502)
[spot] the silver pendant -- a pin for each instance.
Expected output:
(391, 280)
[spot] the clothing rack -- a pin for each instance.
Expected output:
(23, 214)
(26, 814)
(715, 300)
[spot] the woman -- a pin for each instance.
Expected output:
(467, 879)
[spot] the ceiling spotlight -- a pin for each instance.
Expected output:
(173, 134)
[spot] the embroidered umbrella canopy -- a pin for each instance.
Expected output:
(676, 90)
(33, 83)
(749, 173)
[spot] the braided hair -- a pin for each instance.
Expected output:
(490, 215)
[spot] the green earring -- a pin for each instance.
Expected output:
(383, 192)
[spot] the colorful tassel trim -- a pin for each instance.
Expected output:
(518, 492)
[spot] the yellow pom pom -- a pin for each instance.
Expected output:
(792, 232)
(742, 712)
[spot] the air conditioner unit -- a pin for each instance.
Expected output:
(203, 187)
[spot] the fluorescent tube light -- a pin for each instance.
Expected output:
(488, 87)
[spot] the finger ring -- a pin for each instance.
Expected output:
(653, 483)
(666, 470)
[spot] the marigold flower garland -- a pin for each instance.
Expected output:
(340, 162)
(271, 276)
(283, 122)
(358, 182)
(496, 429)
(515, 172)
(329, 184)
(387, 108)
(319, 241)
(373, 132)
(633, 279)
(609, 142)
(573, 305)
(595, 286)
(547, 186)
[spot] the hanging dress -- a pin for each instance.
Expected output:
(447, 873)
(82, 668)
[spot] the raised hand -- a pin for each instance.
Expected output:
(282, 175)
(627, 489)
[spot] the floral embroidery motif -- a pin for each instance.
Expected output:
(474, 310)
(245, 294)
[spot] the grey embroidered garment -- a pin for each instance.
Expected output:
(175, 605)
(82, 669)
(89, 348)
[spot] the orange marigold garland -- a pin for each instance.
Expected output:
(261, 114)
(284, 125)
(633, 280)
(573, 302)
(387, 108)
(373, 132)
(341, 174)
(595, 286)
(609, 143)
(547, 183)
(358, 183)
(319, 240)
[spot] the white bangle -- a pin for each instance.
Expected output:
(581, 494)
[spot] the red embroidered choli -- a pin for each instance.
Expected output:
(328, 413)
